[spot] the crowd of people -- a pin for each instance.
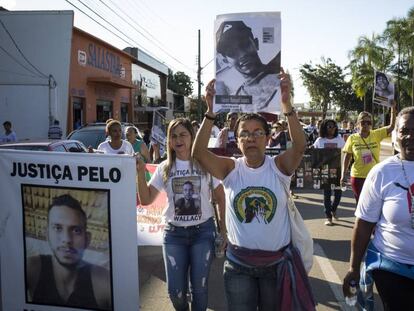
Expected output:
(252, 194)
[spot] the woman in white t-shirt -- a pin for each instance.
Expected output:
(330, 138)
(189, 235)
(115, 144)
(386, 204)
(262, 269)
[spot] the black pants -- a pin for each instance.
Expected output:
(396, 291)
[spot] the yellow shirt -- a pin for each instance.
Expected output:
(366, 154)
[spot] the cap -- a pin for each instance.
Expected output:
(230, 32)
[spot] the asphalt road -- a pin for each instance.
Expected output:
(331, 250)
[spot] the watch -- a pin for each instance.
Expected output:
(208, 117)
(290, 113)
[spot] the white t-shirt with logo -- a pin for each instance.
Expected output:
(336, 142)
(126, 148)
(185, 208)
(256, 206)
(385, 200)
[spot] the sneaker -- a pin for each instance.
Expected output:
(334, 216)
(328, 222)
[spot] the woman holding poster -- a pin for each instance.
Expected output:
(262, 268)
(189, 234)
(364, 148)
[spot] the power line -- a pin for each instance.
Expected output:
(20, 74)
(18, 62)
(20, 51)
(159, 46)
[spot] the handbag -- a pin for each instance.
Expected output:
(300, 235)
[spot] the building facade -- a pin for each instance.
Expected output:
(100, 81)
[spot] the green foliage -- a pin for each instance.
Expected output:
(326, 85)
(391, 52)
(180, 83)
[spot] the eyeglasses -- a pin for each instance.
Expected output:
(331, 126)
(243, 135)
(366, 122)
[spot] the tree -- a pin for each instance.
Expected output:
(180, 83)
(324, 83)
(365, 58)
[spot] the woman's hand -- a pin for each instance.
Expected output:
(210, 93)
(350, 276)
(140, 164)
(285, 88)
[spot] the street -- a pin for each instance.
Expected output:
(331, 256)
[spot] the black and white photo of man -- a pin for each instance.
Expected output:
(187, 205)
(242, 77)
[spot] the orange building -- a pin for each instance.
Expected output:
(99, 81)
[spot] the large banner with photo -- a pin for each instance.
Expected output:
(68, 237)
(319, 169)
(247, 59)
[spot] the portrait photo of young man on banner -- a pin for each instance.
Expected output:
(67, 236)
(248, 56)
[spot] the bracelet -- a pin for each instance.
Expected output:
(208, 117)
(290, 113)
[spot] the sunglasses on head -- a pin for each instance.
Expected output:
(366, 122)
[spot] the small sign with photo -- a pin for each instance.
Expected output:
(383, 89)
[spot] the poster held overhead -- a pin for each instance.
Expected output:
(247, 58)
(383, 89)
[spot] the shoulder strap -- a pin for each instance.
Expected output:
(375, 158)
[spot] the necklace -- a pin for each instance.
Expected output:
(409, 191)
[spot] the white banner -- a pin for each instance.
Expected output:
(150, 222)
(247, 49)
(68, 231)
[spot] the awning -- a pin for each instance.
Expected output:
(112, 82)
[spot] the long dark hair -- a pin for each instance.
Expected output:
(171, 156)
(323, 129)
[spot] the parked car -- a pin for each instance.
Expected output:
(65, 145)
(93, 134)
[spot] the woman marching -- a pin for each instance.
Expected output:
(364, 148)
(329, 138)
(386, 204)
(261, 263)
(188, 245)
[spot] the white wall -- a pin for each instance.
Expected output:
(44, 37)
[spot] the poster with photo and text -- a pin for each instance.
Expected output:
(384, 89)
(247, 62)
(68, 215)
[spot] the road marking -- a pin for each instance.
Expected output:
(331, 276)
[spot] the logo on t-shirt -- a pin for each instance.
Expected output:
(255, 204)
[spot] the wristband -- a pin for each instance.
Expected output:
(290, 113)
(208, 117)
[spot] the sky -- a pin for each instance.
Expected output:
(168, 30)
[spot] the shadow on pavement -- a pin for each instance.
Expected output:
(338, 250)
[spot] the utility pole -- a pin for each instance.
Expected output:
(199, 77)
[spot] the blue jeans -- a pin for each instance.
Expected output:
(248, 288)
(188, 251)
(330, 207)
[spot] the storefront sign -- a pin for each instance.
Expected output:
(104, 59)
